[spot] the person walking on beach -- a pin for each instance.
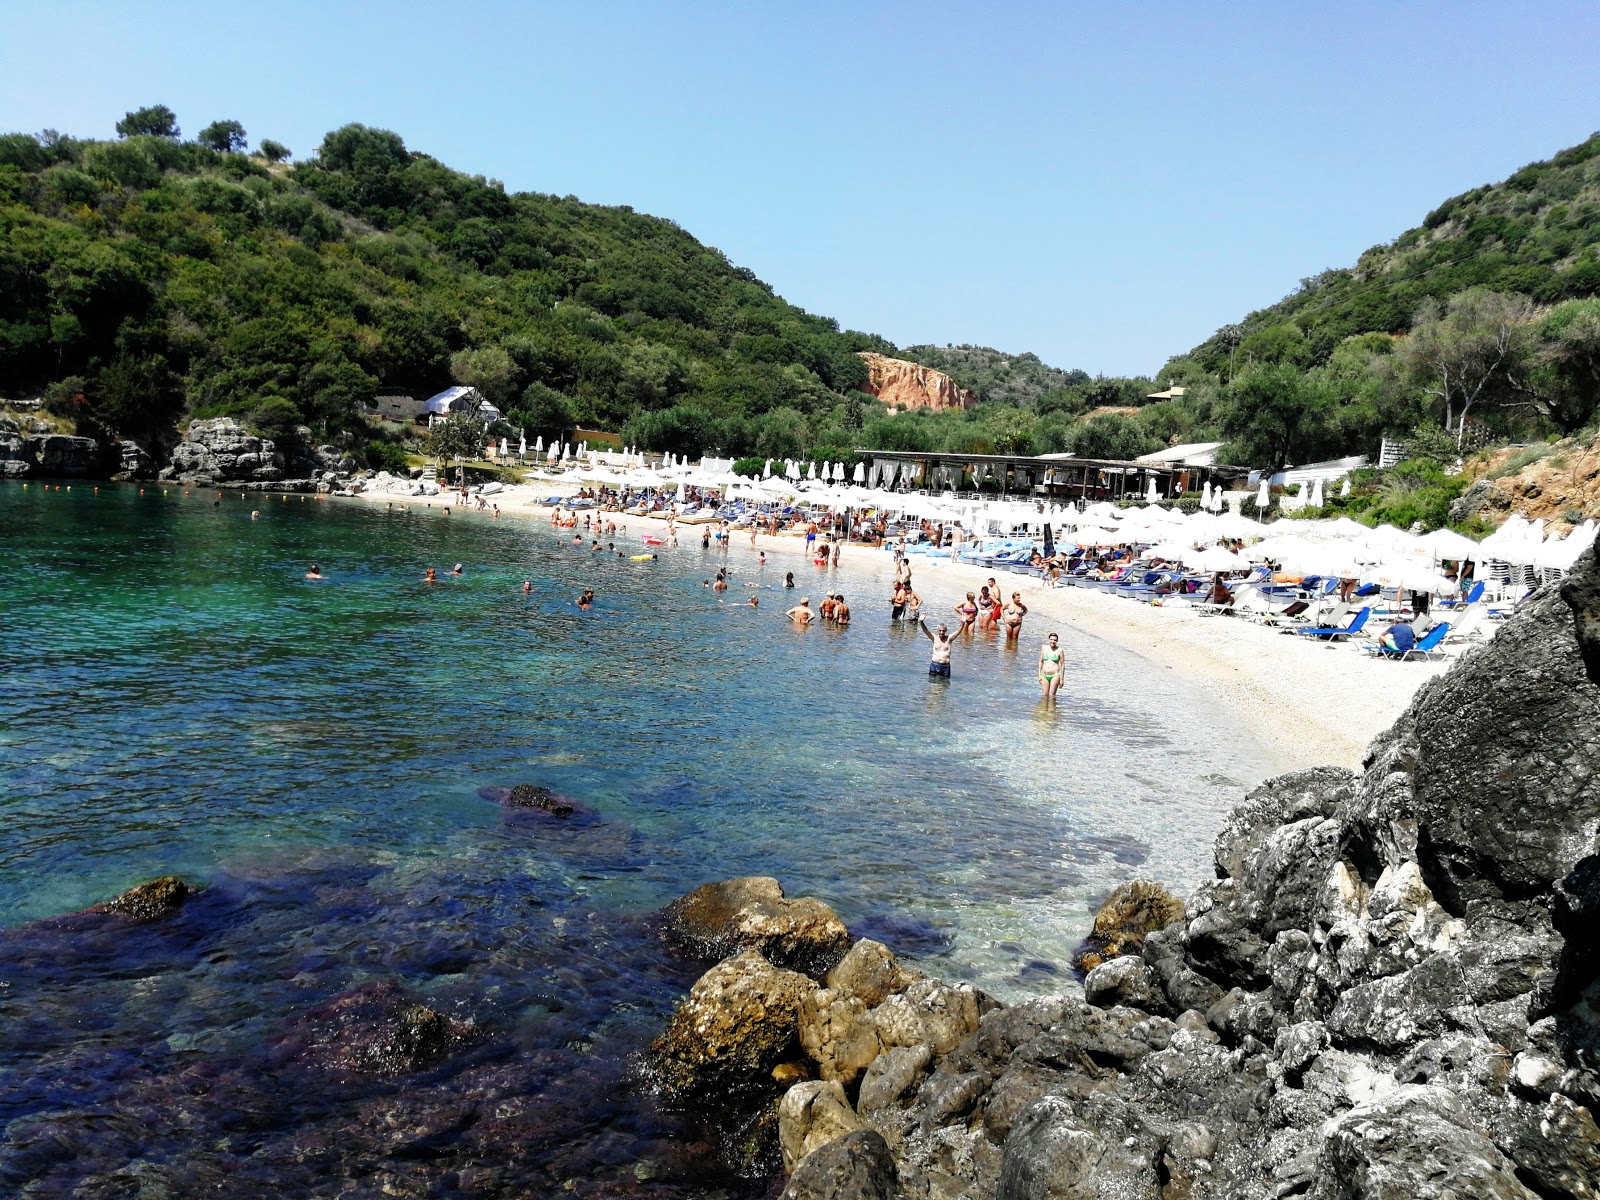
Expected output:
(939, 660)
(1050, 669)
(801, 613)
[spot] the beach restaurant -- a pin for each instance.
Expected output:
(1164, 475)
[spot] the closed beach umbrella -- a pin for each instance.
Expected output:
(1264, 496)
(1344, 488)
(538, 445)
(1150, 493)
(812, 473)
(1316, 494)
(1205, 497)
(860, 475)
(766, 471)
(503, 450)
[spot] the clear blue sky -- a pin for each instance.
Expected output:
(1102, 184)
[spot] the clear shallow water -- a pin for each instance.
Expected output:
(178, 699)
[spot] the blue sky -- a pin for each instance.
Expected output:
(1101, 184)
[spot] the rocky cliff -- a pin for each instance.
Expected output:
(222, 451)
(1390, 990)
(30, 447)
(902, 385)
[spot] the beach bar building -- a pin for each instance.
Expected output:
(1049, 476)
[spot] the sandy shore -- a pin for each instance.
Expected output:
(1308, 703)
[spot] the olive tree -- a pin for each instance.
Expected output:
(1475, 349)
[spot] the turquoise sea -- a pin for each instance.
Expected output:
(178, 699)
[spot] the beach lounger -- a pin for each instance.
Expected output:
(1474, 594)
(1428, 646)
(1332, 634)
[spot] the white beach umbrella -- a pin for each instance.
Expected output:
(1316, 494)
(538, 445)
(860, 475)
(1170, 551)
(1344, 488)
(1264, 497)
(812, 472)
(522, 443)
(766, 471)
(504, 450)
(1447, 543)
(1212, 559)
(681, 496)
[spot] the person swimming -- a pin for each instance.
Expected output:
(456, 570)
(315, 572)
(788, 579)
(527, 585)
(587, 599)
(755, 601)
(431, 577)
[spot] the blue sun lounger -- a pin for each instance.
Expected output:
(1334, 633)
(1426, 647)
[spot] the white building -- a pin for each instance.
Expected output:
(461, 400)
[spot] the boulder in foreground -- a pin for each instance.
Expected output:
(751, 913)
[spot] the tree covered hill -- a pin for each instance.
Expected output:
(1536, 233)
(149, 278)
(996, 376)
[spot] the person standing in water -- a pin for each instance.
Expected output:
(968, 612)
(1050, 669)
(841, 611)
(801, 613)
(939, 660)
(1013, 613)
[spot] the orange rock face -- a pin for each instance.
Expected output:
(901, 384)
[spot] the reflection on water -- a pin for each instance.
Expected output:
(188, 703)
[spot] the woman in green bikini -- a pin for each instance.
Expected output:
(1050, 669)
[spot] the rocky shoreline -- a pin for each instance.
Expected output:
(1389, 990)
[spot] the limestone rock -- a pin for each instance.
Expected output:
(222, 449)
(1418, 1144)
(752, 913)
(871, 972)
(65, 457)
(1126, 980)
(857, 1166)
(837, 1034)
(1132, 911)
(904, 385)
(930, 1012)
(811, 1115)
(737, 1024)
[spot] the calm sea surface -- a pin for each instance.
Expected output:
(178, 699)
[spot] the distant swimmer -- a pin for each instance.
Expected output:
(788, 579)
(527, 585)
(577, 539)
(801, 613)
(762, 558)
(431, 577)
(720, 584)
(255, 513)
(939, 662)
(315, 572)
(1050, 669)
(587, 599)
(755, 601)
(841, 611)
(456, 570)
(594, 547)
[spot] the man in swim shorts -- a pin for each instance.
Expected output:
(801, 613)
(1050, 669)
(939, 662)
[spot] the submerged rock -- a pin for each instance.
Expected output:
(1132, 912)
(376, 1029)
(717, 919)
(148, 901)
(532, 798)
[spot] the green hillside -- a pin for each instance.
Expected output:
(150, 278)
(1536, 233)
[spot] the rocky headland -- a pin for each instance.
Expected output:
(1389, 989)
